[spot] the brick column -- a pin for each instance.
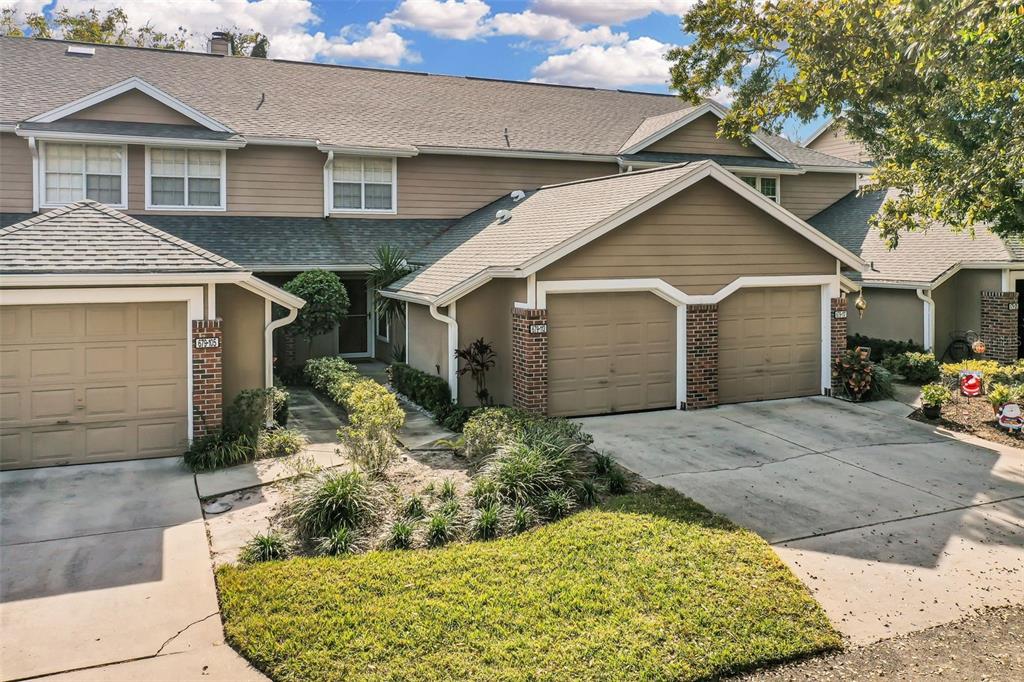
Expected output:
(999, 325)
(207, 389)
(530, 359)
(701, 356)
(838, 313)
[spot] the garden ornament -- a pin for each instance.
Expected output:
(1010, 417)
(978, 347)
(970, 383)
(860, 304)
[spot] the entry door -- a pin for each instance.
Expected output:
(92, 383)
(354, 334)
(610, 352)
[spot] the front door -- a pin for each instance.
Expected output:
(354, 334)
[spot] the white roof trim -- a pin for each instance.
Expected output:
(121, 279)
(517, 154)
(133, 83)
(696, 173)
(817, 133)
(390, 152)
(708, 107)
(129, 139)
(269, 291)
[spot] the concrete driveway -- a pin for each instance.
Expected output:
(892, 525)
(106, 575)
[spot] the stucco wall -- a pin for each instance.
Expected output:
(958, 303)
(892, 314)
(243, 313)
(428, 341)
(487, 313)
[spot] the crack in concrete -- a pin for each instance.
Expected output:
(736, 468)
(105, 532)
(179, 632)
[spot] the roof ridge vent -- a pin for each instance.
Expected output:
(80, 50)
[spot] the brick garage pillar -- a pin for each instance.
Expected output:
(207, 370)
(838, 313)
(530, 359)
(701, 356)
(999, 325)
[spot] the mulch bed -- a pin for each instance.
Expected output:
(973, 416)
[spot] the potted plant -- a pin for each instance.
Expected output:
(933, 397)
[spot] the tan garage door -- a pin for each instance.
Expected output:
(610, 353)
(769, 344)
(92, 383)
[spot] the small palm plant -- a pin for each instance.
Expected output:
(480, 358)
(390, 266)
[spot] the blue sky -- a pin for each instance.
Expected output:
(597, 43)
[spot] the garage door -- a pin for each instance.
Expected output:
(769, 344)
(92, 383)
(610, 353)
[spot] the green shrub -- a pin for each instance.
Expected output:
(340, 540)
(321, 372)
(334, 499)
(557, 504)
(618, 482)
(448, 490)
(523, 473)
(400, 534)
(1000, 394)
(992, 372)
(492, 427)
(456, 417)
(413, 508)
(441, 529)
(281, 443)
(522, 519)
(484, 491)
(917, 368)
(881, 384)
(588, 492)
(426, 390)
(451, 508)
(326, 303)
(882, 348)
(854, 372)
(603, 463)
(269, 546)
(281, 399)
(486, 524)
(935, 395)
(249, 412)
(217, 451)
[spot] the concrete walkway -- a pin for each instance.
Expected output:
(107, 576)
(420, 431)
(893, 525)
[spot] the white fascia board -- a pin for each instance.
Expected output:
(422, 299)
(123, 279)
(517, 154)
(133, 83)
(868, 284)
(708, 107)
(106, 138)
(8, 127)
(390, 152)
(817, 133)
(747, 170)
(859, 170)
(282, 141)
(271, 292)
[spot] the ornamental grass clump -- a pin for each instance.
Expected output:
(412, 508)
(333, 499)
(441, 529)
(522, 518)
(269, 546)
(487, 522)
(400, 534)
(557, 504)
(339, 541)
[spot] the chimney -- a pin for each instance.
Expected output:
(220, 43)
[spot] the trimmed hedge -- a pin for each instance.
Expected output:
(882, 348)
(917, 368)
(992, 372)
(430, 392)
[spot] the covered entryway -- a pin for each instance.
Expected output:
(610, 352)
(769, 344)
(92, 382)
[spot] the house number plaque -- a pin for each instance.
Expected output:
(841, 314)
(211, 342)
(538, 329)
(1011, 306)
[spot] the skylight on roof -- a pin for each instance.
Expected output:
(81, 50)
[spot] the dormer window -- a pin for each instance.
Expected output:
(72, 172)
(362, 185)
(766, 185)
(185, 179)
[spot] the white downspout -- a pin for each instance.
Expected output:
(36, 181)
(329, 164)
(453, 344)
(268, 340)
(929, 319)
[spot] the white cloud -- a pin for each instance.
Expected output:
(609, 11)
(548, 28)
(636, 62)
(286, 23)
(445, 18)
(23, 8)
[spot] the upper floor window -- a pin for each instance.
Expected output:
(768, 186)
(72, 172)
(363, 185)
(185, 179)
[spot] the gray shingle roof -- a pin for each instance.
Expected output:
(545, 219)
(181, 132)
(345, 106)
(87, 237)
(808, 158)
(720, 159)
(281, 243)
(920, 256)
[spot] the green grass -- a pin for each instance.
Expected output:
(647, 586)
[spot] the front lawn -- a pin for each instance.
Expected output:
(646, 586)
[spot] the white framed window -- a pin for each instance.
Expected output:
(383, 327)
(186, 179)
(767, 185)
(71, 172)
(363, 184)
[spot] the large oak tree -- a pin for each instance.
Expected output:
(932, 88)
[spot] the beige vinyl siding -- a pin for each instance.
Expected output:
(15, 174)
(243, 313)
(811, 193)
(487, 313)
(698, 241)
(428, 341)
(698, 137)
(133, 107)
(835, 142)
(892, 314)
